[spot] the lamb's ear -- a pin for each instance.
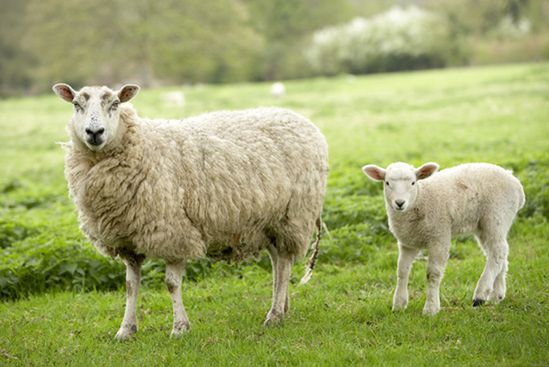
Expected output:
(64, 91)
(374, 172)
(426, 170)
(127, 92)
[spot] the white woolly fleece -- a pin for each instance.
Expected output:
(477, 198)
(226, 183)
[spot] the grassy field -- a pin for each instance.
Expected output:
(61, 302)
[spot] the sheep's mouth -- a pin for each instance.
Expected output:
(95, 145)
(95, 141)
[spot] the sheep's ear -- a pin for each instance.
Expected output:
(127, 92)
(64, 91)
(426, 170)
(374, 172)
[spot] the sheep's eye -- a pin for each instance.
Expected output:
(413, 183)
(114, 106)
(387, 183)
(77, 107)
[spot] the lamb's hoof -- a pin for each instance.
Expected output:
(496, 298)
(126, 332)
(478, 302)
(273, 319)
(430, 310)
(180, 328)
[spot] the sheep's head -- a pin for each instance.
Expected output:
(96, 115)
(400, 182)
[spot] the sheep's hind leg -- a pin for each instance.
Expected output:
(491, 284)
(133, 278)
(273, 255)
(282, 267)
(500, 287)
(406, 256)
(498, 293)
(174, 273)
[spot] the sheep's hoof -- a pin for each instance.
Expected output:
(273, 319)
(399, 304)
(126, 332)
(478, 302)
(180, 328)
(399, 307)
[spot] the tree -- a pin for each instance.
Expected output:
(15, 63)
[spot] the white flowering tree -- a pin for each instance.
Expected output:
(401, 38)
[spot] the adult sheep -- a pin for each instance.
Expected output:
(226, 184)
(427, 211)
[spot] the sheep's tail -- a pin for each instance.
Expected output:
(312, 260)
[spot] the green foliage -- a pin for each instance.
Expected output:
(536, 188)
(11, 232)
(285, 26)
(55, 264)
(103, 41)
(180, 42)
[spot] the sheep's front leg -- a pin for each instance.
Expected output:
(174, 273)
(282, 268)
(406, 256)
(133, 278)
(438, 257)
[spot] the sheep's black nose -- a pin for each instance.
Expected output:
(94, 136)
(95, 132)
(399, 203)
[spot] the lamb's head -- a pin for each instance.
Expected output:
(400, 182)
(96, 115)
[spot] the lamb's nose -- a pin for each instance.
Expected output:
(94, 136)
(399, 203)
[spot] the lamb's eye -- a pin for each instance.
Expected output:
(413, 183)
(77, 107)
(387, 183)
(114, 106)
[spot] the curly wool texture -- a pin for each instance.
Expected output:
(478, 198)
(224, 183)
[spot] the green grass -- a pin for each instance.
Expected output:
(342, 317)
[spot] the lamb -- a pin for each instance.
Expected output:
(223, 184)
(475, 198)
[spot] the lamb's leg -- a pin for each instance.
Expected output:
(492, 279)
(174, 273)
(498, 293)
(406, 256)
(438, 257)
(133, 278)
(282, 269)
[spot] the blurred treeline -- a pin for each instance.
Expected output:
(215, 41)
